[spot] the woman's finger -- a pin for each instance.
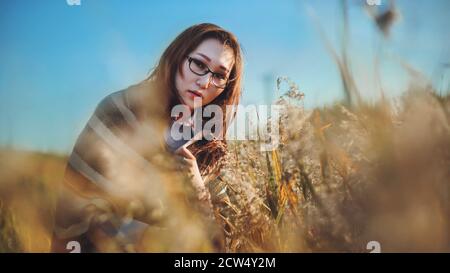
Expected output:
(183, 151)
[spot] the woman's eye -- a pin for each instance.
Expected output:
(220, 76)
(199, 64)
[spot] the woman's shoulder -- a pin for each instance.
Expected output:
(127, 105)
(115, 101)
(112, 110)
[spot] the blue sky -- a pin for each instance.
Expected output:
(58, 61)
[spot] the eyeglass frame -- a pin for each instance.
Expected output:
(208, 70)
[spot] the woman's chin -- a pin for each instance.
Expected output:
(191, 104)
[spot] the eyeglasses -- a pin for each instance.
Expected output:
(199, 68)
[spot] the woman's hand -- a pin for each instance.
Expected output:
(197, 181)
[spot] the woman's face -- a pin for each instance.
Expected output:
(211, 54)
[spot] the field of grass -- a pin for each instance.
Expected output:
(341, 177)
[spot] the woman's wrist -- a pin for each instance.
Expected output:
(204, 198)
(203, 193)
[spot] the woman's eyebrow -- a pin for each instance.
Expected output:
(209, 60)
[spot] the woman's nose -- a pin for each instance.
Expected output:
(204, 81)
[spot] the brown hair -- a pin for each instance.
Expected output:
(207, 153)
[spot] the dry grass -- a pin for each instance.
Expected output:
(27, 199)
(340, 178)
(345, 176)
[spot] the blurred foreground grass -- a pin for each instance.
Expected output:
(28, 183)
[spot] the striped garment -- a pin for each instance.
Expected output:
(112, 180)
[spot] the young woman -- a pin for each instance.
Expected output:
(108, 170)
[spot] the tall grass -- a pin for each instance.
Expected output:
(350, 173)
(343, 177)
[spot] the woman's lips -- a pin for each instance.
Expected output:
(195, 93)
